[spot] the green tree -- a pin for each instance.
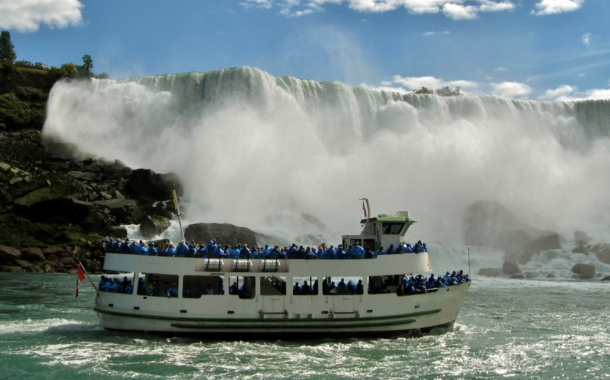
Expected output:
(7, 49)
(424, 90)
(87, 62)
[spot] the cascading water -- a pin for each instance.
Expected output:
(248, 145)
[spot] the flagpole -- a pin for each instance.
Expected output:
(87, 274)
(177, 207)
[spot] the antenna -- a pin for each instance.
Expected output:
(469, 272)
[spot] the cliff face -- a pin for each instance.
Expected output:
(23, 98)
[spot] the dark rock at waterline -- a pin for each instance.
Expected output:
(509, 268)
(581, 249)
(153, 225)
(147, 183)
(517, 276)
(550, 275)
(584, 271)
(607, 278)
(490, 272)
(604, 255)
(118, 232)
(223, 233)
(9, 254)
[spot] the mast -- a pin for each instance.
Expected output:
(177, 207)
(367, 210)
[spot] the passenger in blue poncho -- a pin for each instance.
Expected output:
(330, 253)
(171, 251)
(245, 252)
(390, 250)
(351, 287)
(233, 289)
(358, 252)
(293, 251)
(368, 254)
(181, 249)
(408, 248)
(129, 287)
(192, 249)
(340, 253)
(342, 284)
(349, 254)
(172, 291)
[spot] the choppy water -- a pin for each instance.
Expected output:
(532, 329)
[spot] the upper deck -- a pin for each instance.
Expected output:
(404, 263)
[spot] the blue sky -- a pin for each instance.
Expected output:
(531, 49)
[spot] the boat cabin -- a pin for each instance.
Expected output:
(381, 231)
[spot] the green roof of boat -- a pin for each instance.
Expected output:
(390, 219)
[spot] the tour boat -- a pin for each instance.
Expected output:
(265, 306)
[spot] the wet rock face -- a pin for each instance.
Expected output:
(603, 254)
(33, 254)
(153, 225)
(223, 233)
(147, 183)
(510, 269)
(490, 272)
(584, 271)
(8, 254)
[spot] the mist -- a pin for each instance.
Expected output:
(252, 150)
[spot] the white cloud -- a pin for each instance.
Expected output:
(559, 92)
(586, 39)
(460, 12)
(501, 69)
(550, 7)
(454, 9)
(28, 15)
(510, 89)
(592, 94)
(428, 34)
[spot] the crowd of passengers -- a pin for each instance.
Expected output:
(213, 250)
(409, 285)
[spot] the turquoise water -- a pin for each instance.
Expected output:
(518, 329)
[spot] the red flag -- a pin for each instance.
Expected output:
(364, 209)
(80, 277)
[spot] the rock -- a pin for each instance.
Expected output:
(484, 221)
(9, 253)
(581, 249)
(118, 232)
(15, 180)
(125, 210)
(530, 275)
(7, 268)
(23, 263)
(223, 233)
(584, 271)
(550, 275)
(4, 167)
(55, 251)
(149, 184)
(607, 278)
(70, 209)
(33, 254)
(541, 243)
(509, 268)
(581, 236)
(96, 266)
(604, 255)
(47, 268)
(490, 272)
(67, 261)
(84, 176)
(153, 225)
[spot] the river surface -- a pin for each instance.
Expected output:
(518, 329)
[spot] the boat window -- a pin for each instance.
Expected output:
(305, 286)
(157, 285)
(273, 286)
(383, 284)
(122, 283)
(392, 228)
(338, 286)
(242, 286)
(196, 286)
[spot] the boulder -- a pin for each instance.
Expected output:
(96, 266)
(604, 255)
(581, 249)
(67, 208)
(541, 243)
(118, 232)
(580, 236)
(485, 223)
(125, 210)
(9, 253)
(55, 251)
(23, 263)
(67, 261)
(153, 225)
(7, 268)
(84, 176)
(33, 254)
(149, 184)
(607, 278)
(223, 233)
(584, 271)
(550, 275)
(490, 272)
(509, 268)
